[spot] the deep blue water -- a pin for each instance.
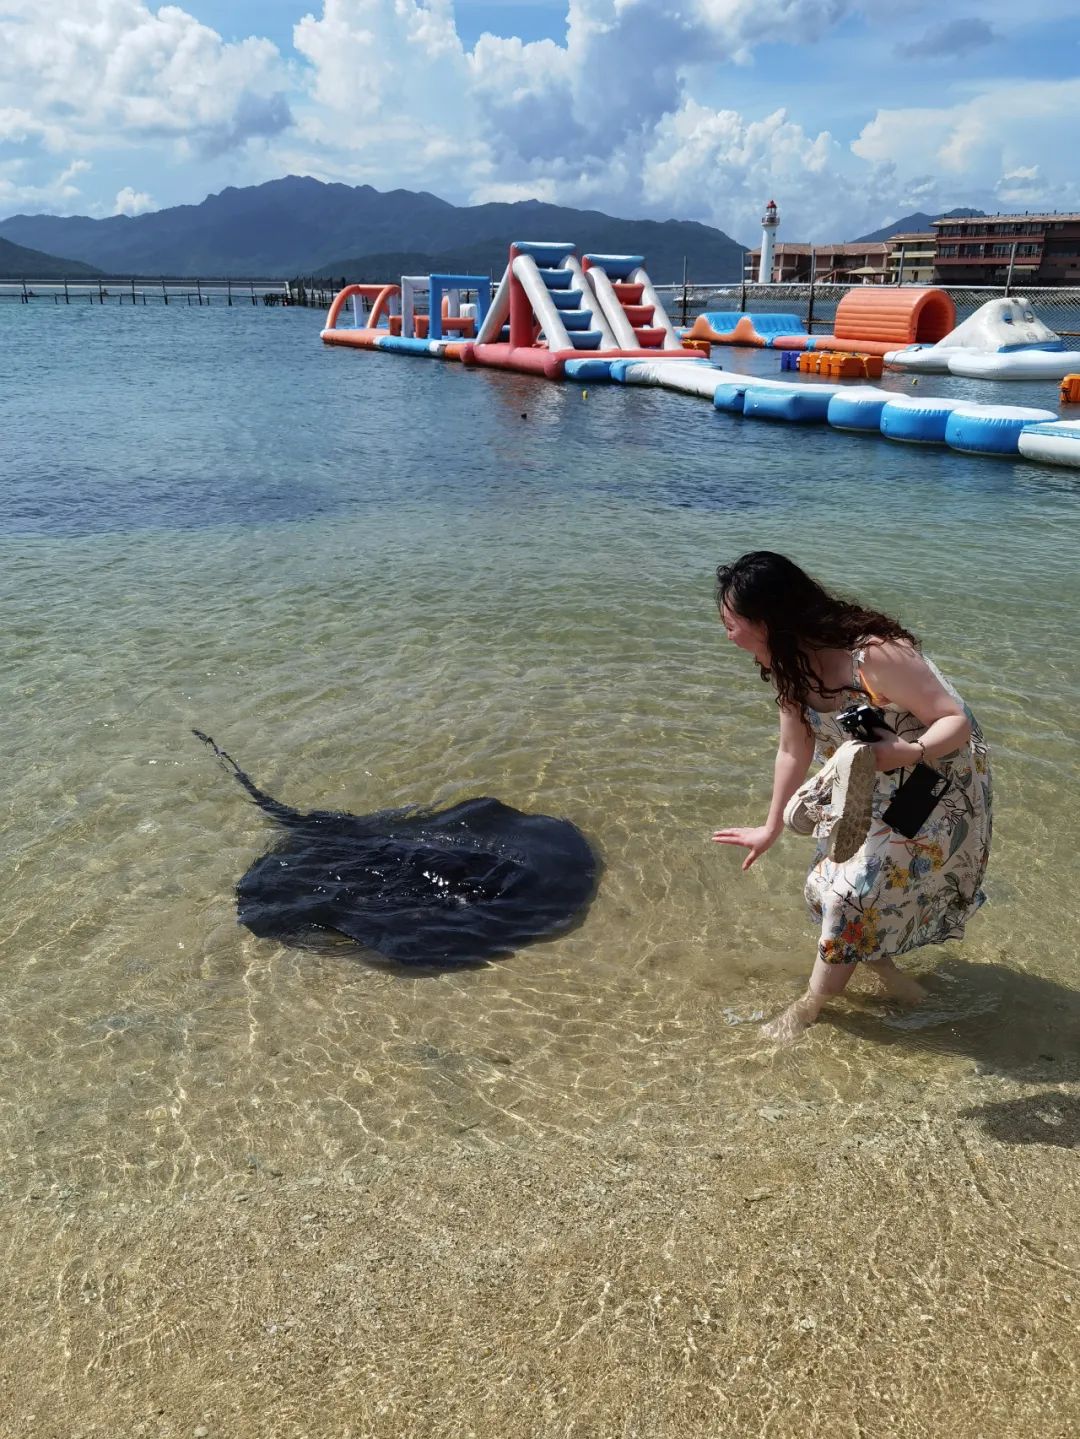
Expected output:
(144, 418)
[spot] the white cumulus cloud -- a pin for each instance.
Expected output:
(610, 115)
(1013, 143)
(114, 72)
(132, 202)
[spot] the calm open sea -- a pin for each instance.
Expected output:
(380, 581)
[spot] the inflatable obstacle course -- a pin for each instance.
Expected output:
(551, 314)
(601, 318)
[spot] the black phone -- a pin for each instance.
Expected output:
(915, 800)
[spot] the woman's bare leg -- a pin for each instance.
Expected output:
(895, 983)
(826, 981)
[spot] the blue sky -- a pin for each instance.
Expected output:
(848, 112)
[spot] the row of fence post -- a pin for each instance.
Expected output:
(103, 293)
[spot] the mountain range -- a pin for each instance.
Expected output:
(302, 226)
(19, 263)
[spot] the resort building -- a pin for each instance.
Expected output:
(1043, 249)
(975, 250)
(862, 263)
(911, 258)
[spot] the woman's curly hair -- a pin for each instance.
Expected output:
(800, 616)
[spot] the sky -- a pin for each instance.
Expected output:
(849, 113)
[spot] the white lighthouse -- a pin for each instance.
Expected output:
(770, 223)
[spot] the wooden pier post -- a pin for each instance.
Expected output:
(198, 286)
(164, 292)
(67, 297)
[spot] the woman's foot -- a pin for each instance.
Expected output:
(896, 984)
(795, 1020)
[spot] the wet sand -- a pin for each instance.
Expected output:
(804, 1270)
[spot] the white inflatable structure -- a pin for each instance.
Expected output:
(1003, 340)
(1057, 444)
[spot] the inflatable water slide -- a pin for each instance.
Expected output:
(554, 315)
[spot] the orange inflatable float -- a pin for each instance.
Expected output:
(879, 318)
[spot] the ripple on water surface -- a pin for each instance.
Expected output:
(379, 582)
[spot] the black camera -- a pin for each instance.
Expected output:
(864, 722)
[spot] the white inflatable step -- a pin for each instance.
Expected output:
(1017, 365)
(1056, 444)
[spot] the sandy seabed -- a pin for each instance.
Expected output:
(802, 1270)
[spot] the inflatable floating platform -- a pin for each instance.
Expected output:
(924, 420)
(1057, 444)
(1003, 340)
(733, 327)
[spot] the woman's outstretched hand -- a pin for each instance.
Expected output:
(756, 839)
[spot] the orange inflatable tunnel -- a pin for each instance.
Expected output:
(879, 318)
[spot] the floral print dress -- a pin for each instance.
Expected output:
(896, 894)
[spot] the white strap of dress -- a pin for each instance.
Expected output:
(857, 657)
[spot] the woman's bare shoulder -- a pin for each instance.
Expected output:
(887, 653)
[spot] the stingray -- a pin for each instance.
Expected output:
(420, 887)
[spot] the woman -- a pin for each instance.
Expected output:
(823, 653)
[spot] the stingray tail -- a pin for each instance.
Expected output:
(284, 813)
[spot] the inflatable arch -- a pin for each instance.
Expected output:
(880, 318)
(375, 310)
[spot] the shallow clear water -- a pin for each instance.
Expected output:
(380, 581)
